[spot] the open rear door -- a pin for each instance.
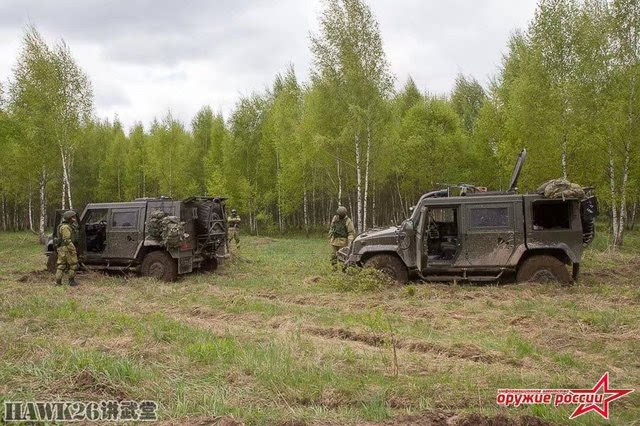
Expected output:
(420, 238)
(513, 184)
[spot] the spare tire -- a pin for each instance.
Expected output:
(207, 211)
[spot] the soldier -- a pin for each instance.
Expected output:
(342, 232)
(234, 227)
(67, 255)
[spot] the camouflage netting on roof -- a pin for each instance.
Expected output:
(560, 188)
(154, 224)
(172, 231)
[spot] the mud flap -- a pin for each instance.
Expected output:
(575, 272)
(185, 265)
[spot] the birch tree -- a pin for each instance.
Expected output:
(349, 56)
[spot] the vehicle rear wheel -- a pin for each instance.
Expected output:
(389, 265)
(209, 265)
(543, 268)
(51, 262)
(160, 265)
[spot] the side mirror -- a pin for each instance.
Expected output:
(408, 225)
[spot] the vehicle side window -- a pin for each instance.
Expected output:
(124, 219)
(489, 217)
(551, 215)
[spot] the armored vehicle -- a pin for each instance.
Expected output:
(481, 236)
(157, 237)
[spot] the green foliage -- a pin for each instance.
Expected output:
(287, 156)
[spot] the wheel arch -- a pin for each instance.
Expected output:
(369, 254)
(146, 249)
(558, 253)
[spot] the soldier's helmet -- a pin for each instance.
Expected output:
(68, 215)
(342, 211)
(234, 211)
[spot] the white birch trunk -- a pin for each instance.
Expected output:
(623, 196)
(612, 186)
(358, 183)
(373, 206)
(63, 202)
(30, 208)
(366, 179)
(68, 179)
(43, 207)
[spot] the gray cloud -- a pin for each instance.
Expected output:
(145, 57)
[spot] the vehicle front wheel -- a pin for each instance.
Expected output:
(389, 265)
(160, 265)
(543, 268)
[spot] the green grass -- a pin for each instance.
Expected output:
(276, 335)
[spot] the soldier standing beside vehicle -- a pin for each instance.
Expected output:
(234, 227)
(342, 232)
(67, 261)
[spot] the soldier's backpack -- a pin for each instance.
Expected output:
(172, 231)
(561, 188)
(339, 228)
(154, 224)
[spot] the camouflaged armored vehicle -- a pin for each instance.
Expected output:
(157, 237)
(482, 236)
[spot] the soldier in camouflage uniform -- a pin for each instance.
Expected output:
(342, 232)
(233, 222)
(67, 261)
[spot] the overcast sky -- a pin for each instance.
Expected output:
(145, 57)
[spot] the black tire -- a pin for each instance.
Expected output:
(390, 265)
(543, 268)
(51, 262)
(160, 265)
(209, 265)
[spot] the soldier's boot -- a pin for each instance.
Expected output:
(72, 275)
(58, 277)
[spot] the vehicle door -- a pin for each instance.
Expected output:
(124, 232)
(420, 251)
(93, 226)
(489, 237)
(437, 236)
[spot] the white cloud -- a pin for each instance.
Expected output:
(147, 57)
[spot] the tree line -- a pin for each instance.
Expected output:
(286, 157)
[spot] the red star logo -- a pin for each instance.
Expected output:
(603, 384)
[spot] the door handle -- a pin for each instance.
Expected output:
(129, 238)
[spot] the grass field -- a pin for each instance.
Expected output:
(277, 337)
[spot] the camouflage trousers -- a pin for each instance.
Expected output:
(234, 234)
(334, 253)
(67, 262)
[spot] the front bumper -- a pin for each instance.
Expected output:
(346, 257)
